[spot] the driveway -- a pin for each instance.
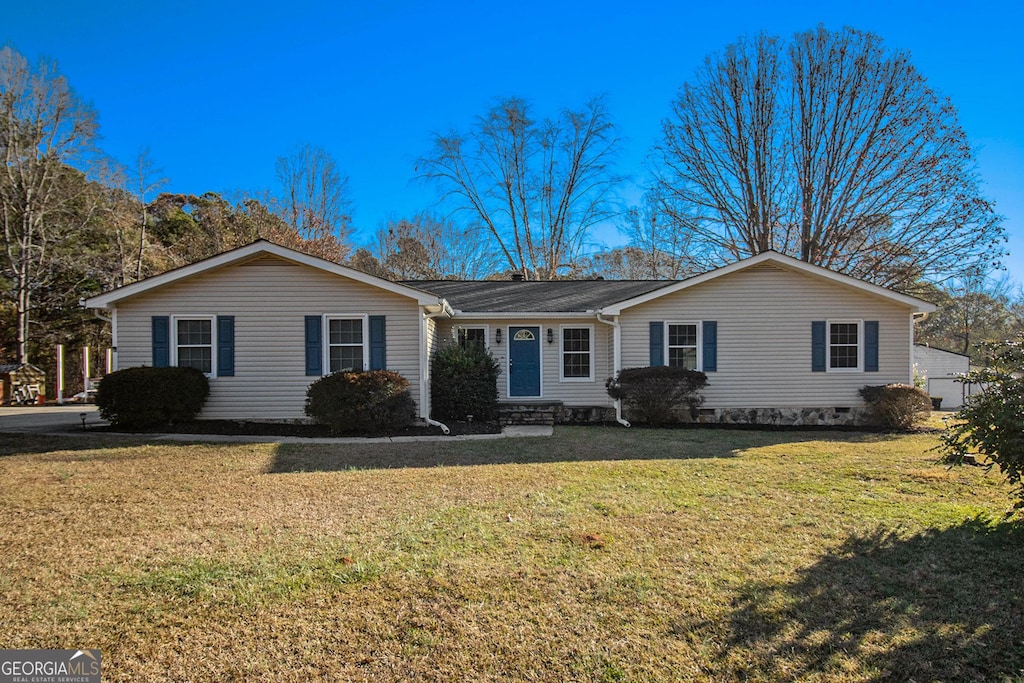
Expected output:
(41, 419)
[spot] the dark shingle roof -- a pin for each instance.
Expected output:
(546, 296)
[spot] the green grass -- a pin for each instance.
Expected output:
(601, 554)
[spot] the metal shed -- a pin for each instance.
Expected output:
(22, 383)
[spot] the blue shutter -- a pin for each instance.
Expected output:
(225, 346)
(871, 346)
(161, 341)
(710, 346)
(378, 344)
(657, 344)
(818, 347)
(314, 345)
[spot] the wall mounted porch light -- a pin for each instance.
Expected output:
(551, 336)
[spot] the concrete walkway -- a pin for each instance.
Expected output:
(507, 432)
(67, 421)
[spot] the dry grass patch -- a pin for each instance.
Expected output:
(596, 555)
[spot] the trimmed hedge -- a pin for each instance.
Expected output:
(464, 381)
(373, 402)
(896, 406)
(658, 395)
(145, 397)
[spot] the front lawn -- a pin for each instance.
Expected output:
(601, 554)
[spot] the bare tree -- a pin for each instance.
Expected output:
(831, 149)
(314, 200)
(144, 184)
(43, 128)
(723, 157)
(973, 308)
(406, 252)
(427, 246)
(660, 247)
(536, 187)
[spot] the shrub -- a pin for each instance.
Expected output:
(144, 397)
(991, 423)
(896, 406)
(658, 395)
(464, 382)
(373, 402)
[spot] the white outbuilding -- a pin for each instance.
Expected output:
(940, 370)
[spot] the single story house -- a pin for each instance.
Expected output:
(940, 369)
(780, 340)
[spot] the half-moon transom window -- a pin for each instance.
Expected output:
(524, 335)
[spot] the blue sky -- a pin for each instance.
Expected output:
(219, 90)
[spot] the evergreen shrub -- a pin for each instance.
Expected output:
(464, 382)
(372, 402)
(658, 395)
(145, 397)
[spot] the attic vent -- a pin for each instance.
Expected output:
(763, 267)
(518, 277)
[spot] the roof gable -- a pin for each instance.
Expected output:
(784, 262)
(250, 252)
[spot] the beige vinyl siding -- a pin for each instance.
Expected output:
(430, 344)
(764, 317)
(572, 393)
(269, 298)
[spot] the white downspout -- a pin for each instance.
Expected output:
(425, 367)
(616, 361)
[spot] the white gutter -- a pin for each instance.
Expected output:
(523, 315)
(616, 361)
(443, 310)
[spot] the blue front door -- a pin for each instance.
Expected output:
(524, 361)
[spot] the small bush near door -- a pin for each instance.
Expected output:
(375, 402)
(145, 397)
(658, 395)
(464, 382)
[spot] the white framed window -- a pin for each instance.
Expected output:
(845, 345)
(346, 346)
(472, 335)
(682, 345)
(577, 352)
(193, 340)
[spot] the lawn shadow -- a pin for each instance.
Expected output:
(14, 443)
(945, 604)
(568, 444)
